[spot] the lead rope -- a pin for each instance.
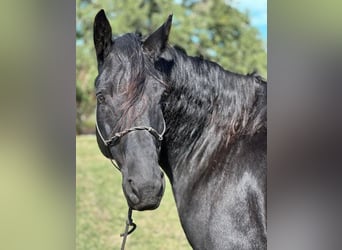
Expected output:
(129, 223)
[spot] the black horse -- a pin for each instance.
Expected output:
(205, 126)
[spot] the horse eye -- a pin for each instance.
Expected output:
(100, 98)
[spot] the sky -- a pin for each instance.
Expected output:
(257, 10)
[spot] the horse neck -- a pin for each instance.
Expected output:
(206, 108)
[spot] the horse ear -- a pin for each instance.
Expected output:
(157, 41)
(102, 36)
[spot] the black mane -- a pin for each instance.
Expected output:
(205, 94)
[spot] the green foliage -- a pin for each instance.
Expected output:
(101, 208)
(212, 29)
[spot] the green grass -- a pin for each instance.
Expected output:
(101, 208)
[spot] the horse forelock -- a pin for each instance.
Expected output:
(139, 72)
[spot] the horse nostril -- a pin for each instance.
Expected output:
(132, 192)
(133, 187)
(162, 175)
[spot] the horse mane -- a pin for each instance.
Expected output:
(213, 96)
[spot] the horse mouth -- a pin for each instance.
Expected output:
(143, 207)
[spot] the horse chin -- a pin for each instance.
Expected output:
(147, 206)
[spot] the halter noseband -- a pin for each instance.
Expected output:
(117, 136)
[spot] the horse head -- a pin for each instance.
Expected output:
(129, 119)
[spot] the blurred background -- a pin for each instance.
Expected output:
(38, 115)
(231, 33)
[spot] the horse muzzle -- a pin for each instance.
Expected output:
(144, 195)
